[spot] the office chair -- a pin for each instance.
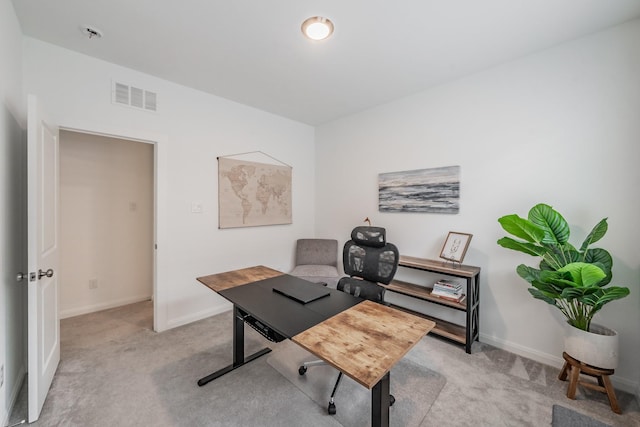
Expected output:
(369, 261)
(317, 261)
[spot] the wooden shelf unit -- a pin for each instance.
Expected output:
(470, 305)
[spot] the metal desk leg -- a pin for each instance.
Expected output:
(380, 402)
(238, 350)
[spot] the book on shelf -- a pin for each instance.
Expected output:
(449, 294)
(452, 298)
(449, 283)
(447, 287)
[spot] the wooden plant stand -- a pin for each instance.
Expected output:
(574, 368)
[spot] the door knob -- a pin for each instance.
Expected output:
(20, 277)
(48, 273)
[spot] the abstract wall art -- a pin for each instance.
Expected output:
(434, 190)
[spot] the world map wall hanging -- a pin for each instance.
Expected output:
(252, 194)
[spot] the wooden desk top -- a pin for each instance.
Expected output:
(230, 279)
(365, 341)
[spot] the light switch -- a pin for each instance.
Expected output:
(196, 207)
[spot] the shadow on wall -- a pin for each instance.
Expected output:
(14, 249)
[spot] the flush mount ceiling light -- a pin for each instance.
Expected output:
(317, 28)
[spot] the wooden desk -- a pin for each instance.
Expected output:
(364, 340)
(230, 279)
(275, 316)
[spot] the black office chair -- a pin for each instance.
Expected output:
(369, 261)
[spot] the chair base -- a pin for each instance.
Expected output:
(574, 368)
(331, 408)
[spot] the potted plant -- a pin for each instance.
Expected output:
(569, 278)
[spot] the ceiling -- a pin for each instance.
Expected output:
(253, 52)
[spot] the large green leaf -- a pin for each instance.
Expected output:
(583, 274)
(555, 275)
(528, 273)
(605, 295)
(539, 295)
(558, 256)
(521, 228)
(598, 255)
(516, 245)
(602, 259)
(572, 293)
(554, 225)
(547, 288)
(570, 253)
(544, 265)
(596, 234)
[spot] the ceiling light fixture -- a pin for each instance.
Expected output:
(317, 28)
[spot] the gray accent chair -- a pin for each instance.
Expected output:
(317, 261)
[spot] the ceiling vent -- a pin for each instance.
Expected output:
(132, 96)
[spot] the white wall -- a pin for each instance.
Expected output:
(560, 127)
(106, 222)
(192, 128)
(12, 208)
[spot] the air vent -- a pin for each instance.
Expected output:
(136, 97)
(149, 100)
(122, 94)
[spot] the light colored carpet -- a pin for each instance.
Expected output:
(414, 387)
(565, 417)
(115, 371)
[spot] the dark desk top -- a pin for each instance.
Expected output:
(282, 314)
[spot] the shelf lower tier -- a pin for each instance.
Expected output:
(443, 328)
(424, 293)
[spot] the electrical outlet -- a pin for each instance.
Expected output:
(93, 283)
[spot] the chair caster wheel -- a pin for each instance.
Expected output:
(331, 409)
(392, 400)
(302, 370)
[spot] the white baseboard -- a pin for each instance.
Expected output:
(529, 353)
(624, 384)
(77, 311)
(193, 317)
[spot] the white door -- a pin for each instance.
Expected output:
(43, 201)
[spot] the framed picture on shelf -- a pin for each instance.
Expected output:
(455, 247)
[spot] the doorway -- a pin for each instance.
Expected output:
(107, 222)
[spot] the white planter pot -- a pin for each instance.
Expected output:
(598, 347)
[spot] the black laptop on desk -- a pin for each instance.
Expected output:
(300, 290)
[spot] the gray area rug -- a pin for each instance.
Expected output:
(565, 417)
(414, 387)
